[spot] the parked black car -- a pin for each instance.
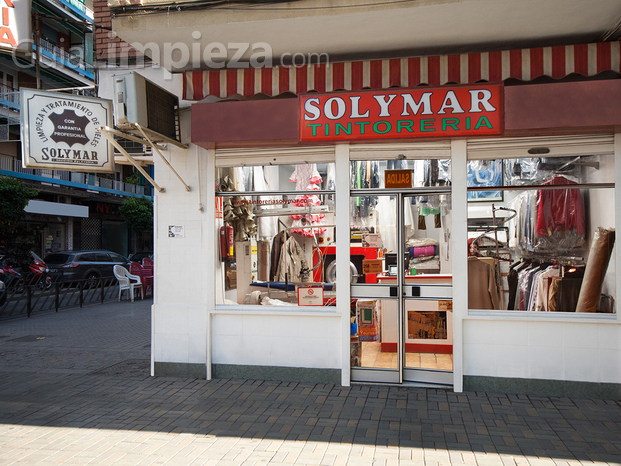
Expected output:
(77, 265)
(138, 256)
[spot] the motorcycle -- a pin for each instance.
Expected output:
(12, 278)
(40, 270)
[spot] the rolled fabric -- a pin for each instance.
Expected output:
(264, 260)
(423, 251)
(597, 264)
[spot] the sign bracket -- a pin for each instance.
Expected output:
(109, 134)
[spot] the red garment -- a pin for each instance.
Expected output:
(559, 209)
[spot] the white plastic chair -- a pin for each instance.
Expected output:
(127, 281)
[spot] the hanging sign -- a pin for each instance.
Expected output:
(411, 113)
(398, 179)
(16, 30)
(60, 131)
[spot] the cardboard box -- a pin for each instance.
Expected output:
(372, 266)
(371, 240)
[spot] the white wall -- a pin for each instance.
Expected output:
(276, 340)
(184, 274)
(568, 351)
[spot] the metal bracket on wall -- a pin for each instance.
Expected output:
(109, 134)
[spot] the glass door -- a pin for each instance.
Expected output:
(427, 306)
(375, 298)
(401, 310)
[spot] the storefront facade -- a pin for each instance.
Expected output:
(508, 282)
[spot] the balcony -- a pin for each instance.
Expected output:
(81, 7)
(9, 98)
(72, 179)
(67, 59)
(74, 7)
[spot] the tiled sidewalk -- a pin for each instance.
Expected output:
(96, 419)
(74, 389)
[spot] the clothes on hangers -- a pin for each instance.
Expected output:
(290, 261)
(277, 243)
(512, 279)
(482, 288)
(266, 226)
(363, 175)
(548, 221)
(306, 178)
(544, 287)
(560, 217)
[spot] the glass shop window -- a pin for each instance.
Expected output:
(425, 173)
(276, 230)
(541, 234)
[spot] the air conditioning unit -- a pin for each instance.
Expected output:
(138, 100)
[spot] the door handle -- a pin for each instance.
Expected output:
(416, 291)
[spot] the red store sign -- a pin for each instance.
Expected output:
(410, 113)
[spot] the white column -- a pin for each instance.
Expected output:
(459, 246)
(342, 255)
(207, 159)
(156, 280)
(617, 155)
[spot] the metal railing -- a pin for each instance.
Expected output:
(68, 57)
(31, 299)
(15, 165)
(80, 6)
(9, 97)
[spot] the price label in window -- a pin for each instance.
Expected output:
(310, 296)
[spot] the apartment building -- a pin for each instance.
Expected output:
(74, 210)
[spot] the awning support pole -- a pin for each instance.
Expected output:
(103, 130)
(187, 188)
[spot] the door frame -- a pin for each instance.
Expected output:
(429, 377)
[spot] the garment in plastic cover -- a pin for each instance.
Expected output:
(560, 218)
(522, 171)
(444, 171)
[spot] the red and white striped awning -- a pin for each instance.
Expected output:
(467, 68)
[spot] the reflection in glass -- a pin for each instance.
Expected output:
(371, 174)
(275, 249)
(546, 248)
(426, 224)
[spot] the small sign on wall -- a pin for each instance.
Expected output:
(310, 296)
(176, 231)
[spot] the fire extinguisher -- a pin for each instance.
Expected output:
(226, 242)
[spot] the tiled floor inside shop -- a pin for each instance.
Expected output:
(372, 356)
